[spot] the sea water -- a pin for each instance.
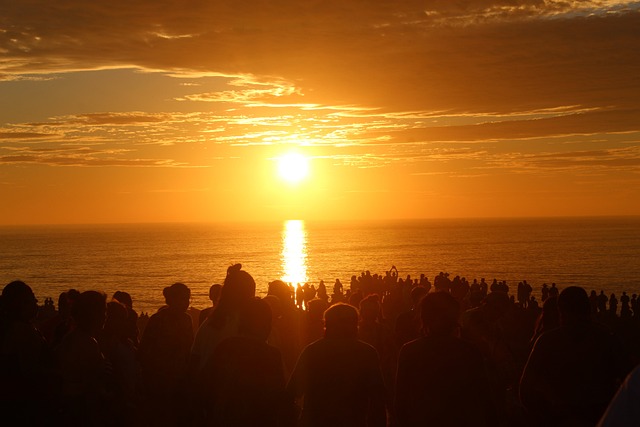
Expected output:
(596, 253)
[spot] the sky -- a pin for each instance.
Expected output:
(178, 110)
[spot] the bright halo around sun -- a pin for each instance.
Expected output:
(293, 167)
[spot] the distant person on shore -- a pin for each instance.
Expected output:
(163, 354)
(214, 297)
(553, 290)
(322, 292)
(573, 371)
(441, 379)
(299, 296)
(337, 287)
(625, 309)
(613, 305)
(602, 303)
(544, 292)
(339, 376)
(593, 303)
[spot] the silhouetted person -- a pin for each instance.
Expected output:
(339, 376)
(238, 290)
(337, 287)
(486, 327)
(377, 334)
(441, 379)
(548, 320)
(118, 349)
(164, 354)
(613, 305)
(245, 375)
(81, 366)
(593, 302)
(313, 323)
(214, 297)
(24, 362)
(526, 289)
(602, 302)
(408, 323)
(573, 371)
(553, 290)
(625, 309)
(287, 324)
(322, 292)
(62, 323)
(299, 296)
(132, 316)
(544, 292)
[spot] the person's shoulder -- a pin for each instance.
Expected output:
(364, 347)
(413, 345)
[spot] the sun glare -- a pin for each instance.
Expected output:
(293, 167)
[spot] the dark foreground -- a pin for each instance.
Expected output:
(381, 351)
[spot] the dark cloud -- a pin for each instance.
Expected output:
(22, 135)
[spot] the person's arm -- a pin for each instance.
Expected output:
(297, 382)
(532, 389)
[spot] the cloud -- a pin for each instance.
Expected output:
(22, 135)
(380, 54)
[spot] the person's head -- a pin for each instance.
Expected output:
(238, 285)
(214, 293)
(370, 308)
(341, 321)
(124, 298)
(573, 305)
(316, 309)
(281, 290)
(18, 303)
(177, 296)
(496, 305)
(116, 323)
(439, 312)
(275, 304)
(417, 293)
(89, 311)
(256, 319)
(238, 289)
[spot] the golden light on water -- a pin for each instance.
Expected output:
(294, 252)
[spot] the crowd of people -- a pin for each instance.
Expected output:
(384, 351)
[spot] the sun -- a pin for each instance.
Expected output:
(293, 167)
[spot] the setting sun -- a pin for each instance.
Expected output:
(293, 167)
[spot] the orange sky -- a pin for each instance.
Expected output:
(154, 111)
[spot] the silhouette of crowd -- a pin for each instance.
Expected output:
(381, 351)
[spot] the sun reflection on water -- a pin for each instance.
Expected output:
(294, 252)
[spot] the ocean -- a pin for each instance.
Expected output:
(596, 253)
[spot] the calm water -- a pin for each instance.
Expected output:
(597, 253)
